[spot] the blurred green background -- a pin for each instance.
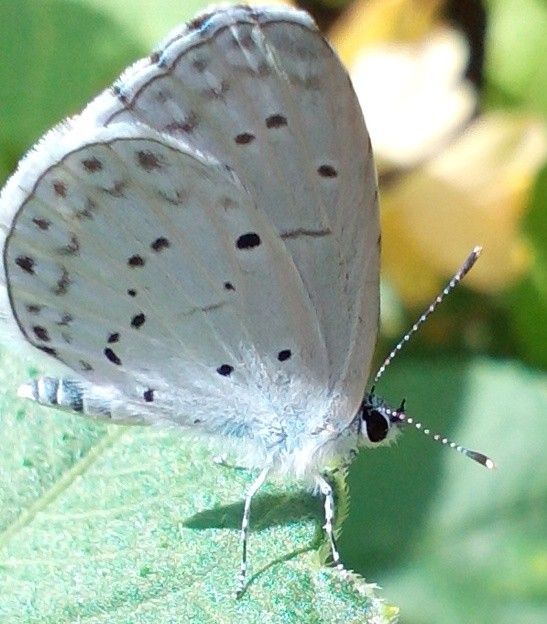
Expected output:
(455, 96)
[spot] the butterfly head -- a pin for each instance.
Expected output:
(378, 423)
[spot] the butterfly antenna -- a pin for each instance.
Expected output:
(456, 279)
(400, 416)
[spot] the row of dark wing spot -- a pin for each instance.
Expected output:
(279, 121)
(226, 369)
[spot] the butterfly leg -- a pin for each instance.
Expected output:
(326, 489)
(245, 529)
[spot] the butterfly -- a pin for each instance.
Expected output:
(200, 247)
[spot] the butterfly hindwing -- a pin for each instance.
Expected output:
(139, 263)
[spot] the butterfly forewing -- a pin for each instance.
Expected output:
(264, 92)
(243, 249)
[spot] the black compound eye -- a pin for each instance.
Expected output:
(377, 425)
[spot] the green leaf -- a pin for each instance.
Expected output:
(516, 48)
(55, 57)
(447, 540)
(527, 302)
(109, 524)
(149, 22)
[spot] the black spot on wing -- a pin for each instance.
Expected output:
(41, 333)
(160, 243)
(244, 138)
(248, 241)
(327, 171)
(283, 355)
(41, 223)
(92, 165)
(26, 263)
(225, 370)
(59, 188)
(112, 357)
(276, 121)
(138, 320)
(136, 261)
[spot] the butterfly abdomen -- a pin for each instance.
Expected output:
(53, 391)
(65, 394)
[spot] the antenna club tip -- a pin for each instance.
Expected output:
(477, 250)
(480, 458)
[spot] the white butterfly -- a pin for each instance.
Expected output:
(200, 247)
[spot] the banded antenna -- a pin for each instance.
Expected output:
(399, 415)
(458, 276)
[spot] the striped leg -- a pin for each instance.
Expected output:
(245, 529)
(326, 489)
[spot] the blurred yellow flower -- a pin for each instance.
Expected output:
(414, 96)
(448, 182)
(474, 192)
(372, 21)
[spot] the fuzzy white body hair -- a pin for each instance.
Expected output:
(275, 419)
